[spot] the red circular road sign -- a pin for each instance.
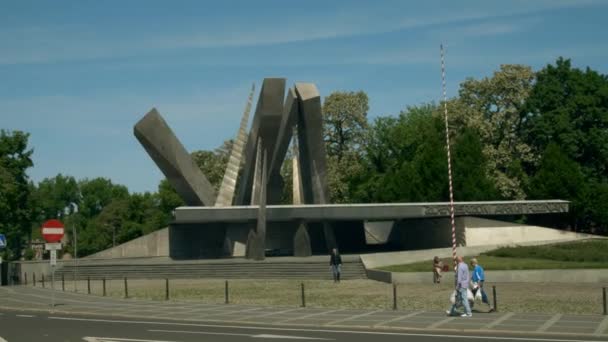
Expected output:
(52, 231)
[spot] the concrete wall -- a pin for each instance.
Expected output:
(529, 276)
(38, 267)
(195, 241)
(426, 233)
(481, 231)
(150, 245)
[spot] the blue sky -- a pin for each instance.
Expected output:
(77, 75)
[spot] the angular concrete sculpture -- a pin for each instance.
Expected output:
(256, 243)
(226, 193)
(311, 145)
(301, 242)
(173, 160)
(265, 125)
(312, 162)
(296, 179)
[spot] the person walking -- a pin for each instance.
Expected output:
(462, 287)
(478, 278)
(437, 268)
(335, 262)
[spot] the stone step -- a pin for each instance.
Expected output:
(215, 270)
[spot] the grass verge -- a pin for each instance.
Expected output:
(359, 294)
(591, 254)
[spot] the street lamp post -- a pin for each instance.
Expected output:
(72, 208)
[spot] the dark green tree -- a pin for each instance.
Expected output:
(569, 107)
(15, 211)
(469, 165)
(559, 177)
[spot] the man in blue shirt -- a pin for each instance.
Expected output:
(462, 287)
(479, 278)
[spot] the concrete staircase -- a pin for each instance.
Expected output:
(280, 268)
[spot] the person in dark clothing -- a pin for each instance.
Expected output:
(335, 262)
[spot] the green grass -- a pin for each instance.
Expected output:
(591, 254)
(581, 251)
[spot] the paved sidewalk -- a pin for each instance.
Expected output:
(32, 298)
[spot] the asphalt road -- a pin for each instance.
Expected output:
(33, 326)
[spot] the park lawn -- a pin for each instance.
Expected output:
(501, 263)
(572, 255)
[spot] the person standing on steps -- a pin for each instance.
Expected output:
(478, 278)
(462, 288)
(335, 262)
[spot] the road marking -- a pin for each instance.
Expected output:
(3, 340)
(115, 339)
(307, 316)
(498, 321)
(549, 323)
(26, 316)
(411, 314)
(352, 317)
(443, 321)
(290, 337)
(267, 314)
(223, 312)
(602, 327)
(329, 331)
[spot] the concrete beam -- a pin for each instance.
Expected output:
(265, 125)
(173, 160)
(382, 211)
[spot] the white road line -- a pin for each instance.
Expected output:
(236, 311)
(308, 316)
(26, 316)
(267, 314)
(549, 323)
(411, 314)
(352, 317)
(115, 339)
(329, 331)
(285, 337)
(601, 327)
(498, 321)
(443, 321)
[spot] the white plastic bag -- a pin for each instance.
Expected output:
(478, 294)
(470, 296)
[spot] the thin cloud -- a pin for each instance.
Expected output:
(41, 44)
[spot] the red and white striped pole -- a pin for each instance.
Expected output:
(447, 142)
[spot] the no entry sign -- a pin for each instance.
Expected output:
(52, 231)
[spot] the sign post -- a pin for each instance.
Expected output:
(52, 232)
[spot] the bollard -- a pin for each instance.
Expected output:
(494, 297)
(62, 283)
(604, 297)
(394, 296)
(303, 296)
(25, 278)
(42, 280)
(166, 288)
(226, 293)
(88, 285)
(126, 289)
(34, 280)
(104, 286)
